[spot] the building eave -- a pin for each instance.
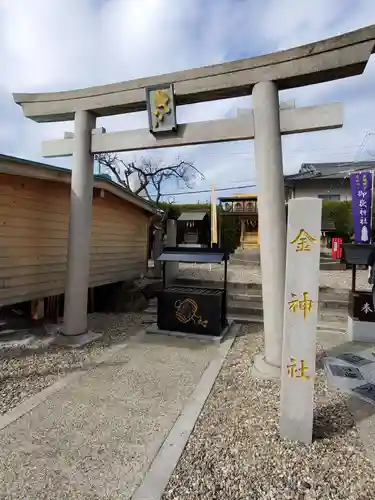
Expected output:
(21, 167)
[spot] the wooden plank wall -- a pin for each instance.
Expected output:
(34, 218)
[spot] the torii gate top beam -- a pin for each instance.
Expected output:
(338, 57)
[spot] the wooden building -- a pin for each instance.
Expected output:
(245, 208)
(34, 224)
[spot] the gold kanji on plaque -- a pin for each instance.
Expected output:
(304, 304)
(162, 106)
(303, 241)
(295, 372)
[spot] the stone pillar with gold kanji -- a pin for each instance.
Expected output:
(300, 318)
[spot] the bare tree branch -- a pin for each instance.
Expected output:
(110, 161)
(150, 173)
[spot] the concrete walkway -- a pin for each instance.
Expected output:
(96, 437)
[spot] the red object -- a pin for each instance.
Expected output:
(336, 248)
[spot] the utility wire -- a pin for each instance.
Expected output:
(360, 146)
(301, 150)
(230, 188)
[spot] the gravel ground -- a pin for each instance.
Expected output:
(235, 451)
(251, 274)
(31, 370)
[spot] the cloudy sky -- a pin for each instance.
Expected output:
(51, 45)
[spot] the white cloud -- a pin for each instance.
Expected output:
(64, 44)
(44, 43)
(300, 22)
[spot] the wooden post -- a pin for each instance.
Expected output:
(156, 251)
(220, 228)
(171, 268)
(242, 233)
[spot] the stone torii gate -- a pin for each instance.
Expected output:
(263, 76)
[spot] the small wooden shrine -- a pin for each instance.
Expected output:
(193, 228)
(245, 207)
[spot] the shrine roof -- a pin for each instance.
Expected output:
(245, 197)
(336, 170)
(187, 216)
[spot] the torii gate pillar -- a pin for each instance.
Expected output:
(78, 262)
(272, 220)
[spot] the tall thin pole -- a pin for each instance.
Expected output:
(213, 218)
(372, 205)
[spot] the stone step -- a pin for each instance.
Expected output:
(255, 297)
(325, 306)
(255, 314)
(322, 325)
(326, 261)
(243, 262)
(244, 286)
(149, 320)
(253, 302)
(191, 282)
(332, 266)
(254, 252)
(250, 253)
(333, 303)
(245, 319)
(326, 256)
(335, 315)
(326, 265)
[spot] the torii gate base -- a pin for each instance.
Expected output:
(338, 57)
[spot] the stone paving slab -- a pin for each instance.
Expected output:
(352, 373)
(96, 438)
(362, 411)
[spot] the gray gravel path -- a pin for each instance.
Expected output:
(96, 437)
(32, 370)
(235, 451)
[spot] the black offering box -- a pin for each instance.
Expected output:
(202, 311)
(361, 311)
(356, 255)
